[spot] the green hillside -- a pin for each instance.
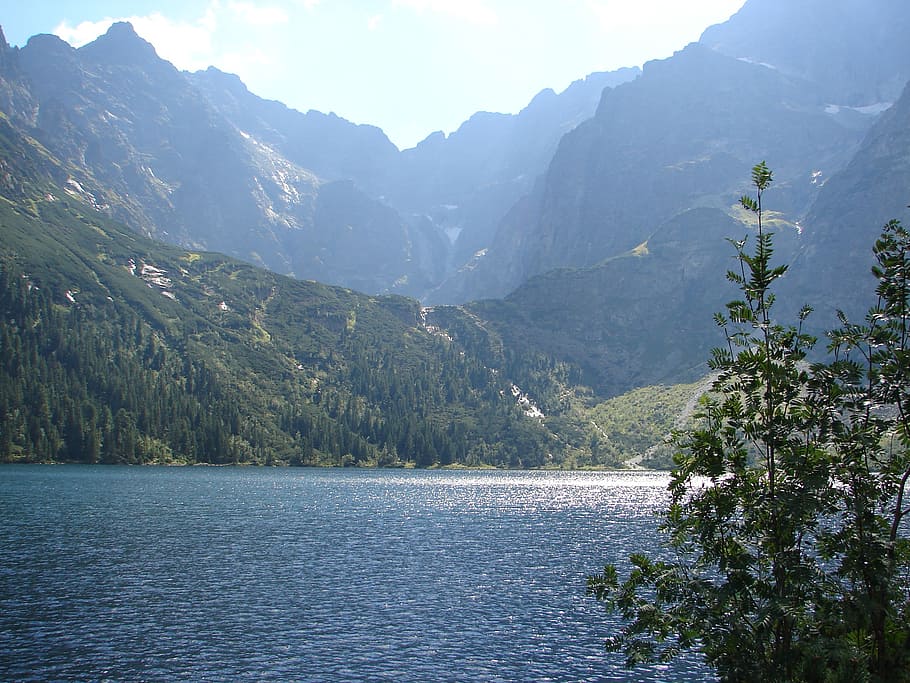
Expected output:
(119, 349)
(116, 348)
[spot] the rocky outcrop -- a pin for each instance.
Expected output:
(156, 153)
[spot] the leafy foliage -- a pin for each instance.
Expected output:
(787, 498)
(869, 542)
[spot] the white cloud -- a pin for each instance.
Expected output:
(243, 61)
(613, 16)
(187, 45)
(374, 22)
(620, 15)
(258, 15)
(82, 33)
(472, 11)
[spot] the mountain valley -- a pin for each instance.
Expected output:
(476, 300)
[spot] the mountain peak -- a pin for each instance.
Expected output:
(230, 82)
(122, 28)
(121, 44)
(839, 60)
(49, 43)
(5, 52)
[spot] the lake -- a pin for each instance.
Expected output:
(227, 574)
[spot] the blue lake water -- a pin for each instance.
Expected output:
(226, 574)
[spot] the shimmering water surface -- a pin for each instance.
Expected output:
(162, 574)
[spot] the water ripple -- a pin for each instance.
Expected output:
(314, 575)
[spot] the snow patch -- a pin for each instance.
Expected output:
(869, 109)
(876, 108)
(452, 232)
(282, 175)
(75, 189)
(527, 405)
(153, 276)
(432, 329)
(752, 61)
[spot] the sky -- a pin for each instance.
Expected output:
(411, 67)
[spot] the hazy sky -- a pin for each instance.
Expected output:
(410, 67)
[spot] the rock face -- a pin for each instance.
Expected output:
(683, 135)
(839, 231)
(850, 49)
(467, 182)
(588, 213)
(198, 160)
(586, 256)
(329, 146)
(160, 156)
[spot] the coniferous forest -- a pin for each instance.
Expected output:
(119, 350)
(98, 382)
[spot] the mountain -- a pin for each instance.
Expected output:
(849, 49)
(154, 152)
(466, 182)
(450, 191)
(196, 159)
(833, 267)
(686, 132)
(681, 136)
(117, 348)
(356, 239)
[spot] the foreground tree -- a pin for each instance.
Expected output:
(871, 381)
(781, 523)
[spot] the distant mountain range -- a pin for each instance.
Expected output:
(577, 246)
(198, 160)
(637, 199)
